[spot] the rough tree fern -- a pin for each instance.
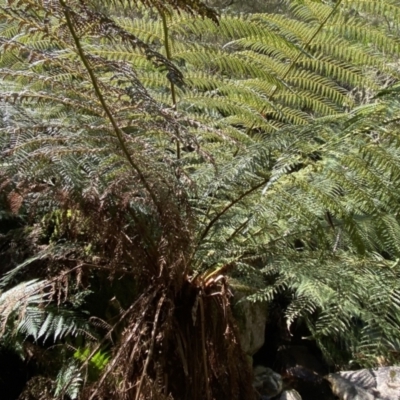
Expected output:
(132, 166)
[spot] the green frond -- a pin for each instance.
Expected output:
(377, 8)
(69, 381)
(53, 322)
(258, 51)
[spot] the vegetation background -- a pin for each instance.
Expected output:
(155, 155)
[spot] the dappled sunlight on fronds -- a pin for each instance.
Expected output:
(260, 72)
(146, 158)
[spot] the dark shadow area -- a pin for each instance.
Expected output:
(299, 361)
(14, 373)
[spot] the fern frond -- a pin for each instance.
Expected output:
(69, 381)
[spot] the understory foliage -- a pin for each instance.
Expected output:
(153, 156)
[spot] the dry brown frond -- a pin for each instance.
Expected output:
(17, 299)
(166, 353)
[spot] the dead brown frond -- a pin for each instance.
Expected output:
(167, 353)
(15, 301)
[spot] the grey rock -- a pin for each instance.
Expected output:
(290, 395)
(347, 390)
(267, 382)
(251, 319)
(367, 384)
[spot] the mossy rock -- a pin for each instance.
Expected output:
(251, 318)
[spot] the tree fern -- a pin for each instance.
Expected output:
(131, 163)
(109, 168)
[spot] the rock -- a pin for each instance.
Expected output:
(388, 382)
(267, 382)
(290, 395)
(347, 390)
(367, 384)
(251, 319)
